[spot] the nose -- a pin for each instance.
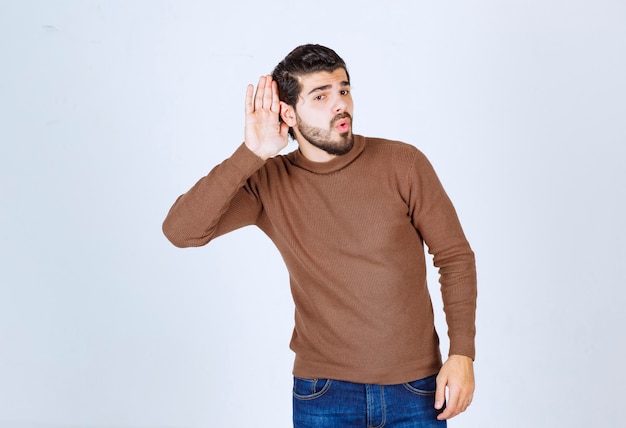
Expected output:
(339, 105)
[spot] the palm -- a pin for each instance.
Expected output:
(264, 134)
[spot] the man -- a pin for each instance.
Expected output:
(350, 216)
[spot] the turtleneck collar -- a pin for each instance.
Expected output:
(335, 164)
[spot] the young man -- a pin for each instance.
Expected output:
(350, 216)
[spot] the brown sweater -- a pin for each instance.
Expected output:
(351, 232)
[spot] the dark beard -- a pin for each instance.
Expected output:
(323, 139)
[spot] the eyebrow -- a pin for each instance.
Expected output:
(326, 87)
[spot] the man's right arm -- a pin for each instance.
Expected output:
(221, 201)
(216, 204)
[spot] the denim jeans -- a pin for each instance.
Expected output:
(324, 403)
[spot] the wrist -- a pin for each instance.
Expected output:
(258, 151)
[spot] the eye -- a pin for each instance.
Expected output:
(344, 92)
(320, 97)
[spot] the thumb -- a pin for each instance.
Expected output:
(440, 393)
(284, 129)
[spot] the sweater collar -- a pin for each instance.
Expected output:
(335, 164)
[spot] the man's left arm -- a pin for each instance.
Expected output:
(436, 219)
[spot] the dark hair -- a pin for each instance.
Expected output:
(304, 59)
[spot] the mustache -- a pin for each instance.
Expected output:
(339, 117)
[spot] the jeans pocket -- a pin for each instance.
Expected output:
(309, 389)
(426, 386)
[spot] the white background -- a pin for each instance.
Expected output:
(111, 109)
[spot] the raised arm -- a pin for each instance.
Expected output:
(223, 201)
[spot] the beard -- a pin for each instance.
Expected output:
(324, 139)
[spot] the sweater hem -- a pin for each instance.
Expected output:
(393, 375)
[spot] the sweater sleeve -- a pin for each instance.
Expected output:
(436, 220)
(218, 203)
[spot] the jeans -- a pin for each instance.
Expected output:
(324, 403)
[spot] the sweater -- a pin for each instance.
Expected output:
(352, 233)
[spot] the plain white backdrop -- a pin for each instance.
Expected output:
(111, 109)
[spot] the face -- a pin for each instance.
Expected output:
(324, 112)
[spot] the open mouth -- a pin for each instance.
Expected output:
(343, 124)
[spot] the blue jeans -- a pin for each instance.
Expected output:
(324, 403)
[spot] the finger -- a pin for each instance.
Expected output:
(447, 414)
(451, 409)
(260, 90)
(440, 393)
(458, 402)
(249, 94)
(284, 129)
(268, 92)
(451, 412)
(275, 98)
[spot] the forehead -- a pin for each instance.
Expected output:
(321, 79)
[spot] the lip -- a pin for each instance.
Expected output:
(343, 124)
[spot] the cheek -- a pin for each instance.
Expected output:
(350, 106)
(317, 119)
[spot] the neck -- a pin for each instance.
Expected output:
(313, 153)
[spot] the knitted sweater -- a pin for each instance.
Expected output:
(351, 232)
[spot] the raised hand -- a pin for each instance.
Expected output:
(265, 135)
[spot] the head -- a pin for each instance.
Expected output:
(303, 66)
(303, 60)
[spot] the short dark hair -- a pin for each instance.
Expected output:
(303, 60)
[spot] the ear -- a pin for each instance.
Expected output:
(288, 114)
